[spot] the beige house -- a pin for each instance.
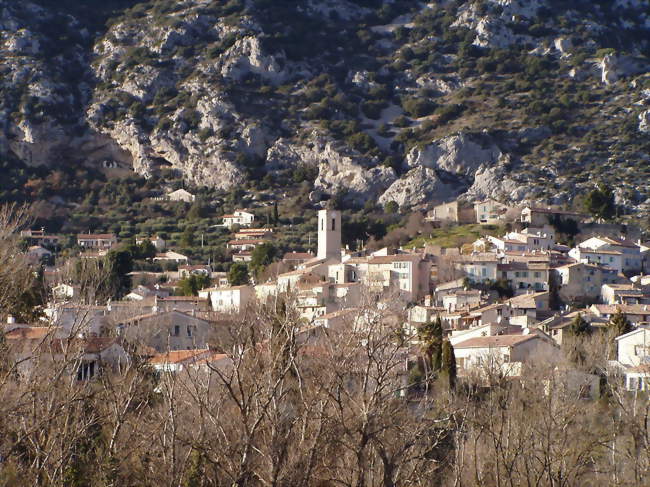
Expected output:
(462, 300)
(170, 330)
(490, 212)
(581, 281)
(503, 353)
(524, 277)
(624, 294)
(538, 217)
(637, 314)
(406, 274)
(452, 212)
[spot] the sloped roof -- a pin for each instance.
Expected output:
(495, 341)
(178, 356)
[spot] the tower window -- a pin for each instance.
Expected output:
(333, 224)
(322, 224)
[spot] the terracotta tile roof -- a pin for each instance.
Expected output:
(178, 356)
(336, 314)
(30, 332)
(298, 256)
(630, 309)
(495, 341)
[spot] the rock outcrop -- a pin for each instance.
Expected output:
(419, 185)
(459, 154)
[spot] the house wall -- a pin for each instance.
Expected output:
(632, 348)
(173, 331)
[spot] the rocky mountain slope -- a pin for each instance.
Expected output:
(366, 100)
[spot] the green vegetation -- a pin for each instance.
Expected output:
(455, 236)
(238, 274)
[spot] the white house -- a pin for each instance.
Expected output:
(621, 254)
(528, 240)
(242, 218)
(633, 354)
(232, 299)
(181, 195)
(96, 240)
(36, 253)
(171, 256)
(478, 267)
(157, 242)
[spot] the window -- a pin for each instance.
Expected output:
(177, 330)
(333, 224)
(538, 274)
(322, 224)
(86, 371)
(189, 331)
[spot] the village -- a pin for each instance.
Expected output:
(503, 301)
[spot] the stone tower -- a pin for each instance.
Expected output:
(329, 234)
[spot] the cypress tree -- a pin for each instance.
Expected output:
(448, 371)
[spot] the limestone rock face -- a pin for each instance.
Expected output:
(419, 185)
(339, 169)
(457, 154)
(497, 182)
(247, 57)
(644, 121)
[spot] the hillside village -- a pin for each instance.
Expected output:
(509, 300)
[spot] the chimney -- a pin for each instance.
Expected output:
(11, 320)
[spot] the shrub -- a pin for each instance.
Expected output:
(418, 107)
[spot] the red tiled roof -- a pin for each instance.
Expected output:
(178, 356)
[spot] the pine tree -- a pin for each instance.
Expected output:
(448, 371)
(579, 326)
(619, 323)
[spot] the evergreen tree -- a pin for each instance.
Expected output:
(276, 214)
(238, 274)
(190, 286)
(262, 256)
(448, 371)
(619, 323)
(431, 336)
(187, 238)
(579, 326)
(600, 202)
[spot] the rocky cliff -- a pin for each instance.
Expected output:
(382, 100)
